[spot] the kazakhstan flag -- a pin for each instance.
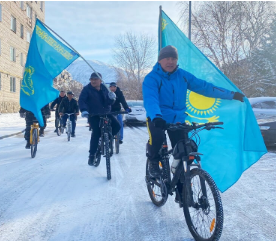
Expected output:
(46, 59)
(229, 152)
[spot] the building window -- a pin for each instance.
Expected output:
(28, 37)
(29, 11)
(35, 16)
(0, 46)
(41, 6)
(12, 54)
(13, 24)
(21, 83)
(21, 31)
(21, 59)
(0, 81)
(0, 12)
(22, 5)
(12, 84)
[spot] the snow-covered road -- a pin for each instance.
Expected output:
(57, 196)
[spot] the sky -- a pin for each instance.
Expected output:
(91, 27)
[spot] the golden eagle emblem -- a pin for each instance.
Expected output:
(27, 83)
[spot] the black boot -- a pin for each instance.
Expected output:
(91, 160)
(154, 169)
(28, 145)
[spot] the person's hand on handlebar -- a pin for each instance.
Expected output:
(159, 123)
(85, 114)
(128, 110)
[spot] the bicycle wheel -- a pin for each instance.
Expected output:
(107, 155)
(58, 127)
(34, 142)
(69, 130)
(205, 220)
(117, 144)
(155, 189)
(98, 157)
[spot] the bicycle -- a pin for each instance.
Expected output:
(201, 200)
(68, 126)
(105, 146)
(59, 126)
(34, 137)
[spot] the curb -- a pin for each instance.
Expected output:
(6, 136)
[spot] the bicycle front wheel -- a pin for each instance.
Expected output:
(34, 142)
(58, 127)
(69, 130)
(205, 218)
(107, 155)
(117, 144)
(157, 195)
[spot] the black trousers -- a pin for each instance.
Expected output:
(156, 140)
(96, 131)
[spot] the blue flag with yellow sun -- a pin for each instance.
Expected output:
(228, 152)
(46, 59)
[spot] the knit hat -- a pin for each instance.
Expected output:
(95, 76)
(113, 84)
(167, 52)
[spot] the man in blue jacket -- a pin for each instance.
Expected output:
(164, 93)
(96, 99)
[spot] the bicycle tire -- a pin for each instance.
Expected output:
(107, 156)
(58, 127)
(117, 144)
(154, 190)
(69, 130)
(34, 142)
(98, 157)
(211, 225)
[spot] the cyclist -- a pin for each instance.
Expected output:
(116, 106)
(164, 92)
(57, 102)
(29, 118)
(69, 105)
(95, 99)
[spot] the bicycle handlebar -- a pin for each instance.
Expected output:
(110, 113)
(194, 126)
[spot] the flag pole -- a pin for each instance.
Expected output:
(74, 51)
(160, 27)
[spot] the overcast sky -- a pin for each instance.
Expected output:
(90, 27)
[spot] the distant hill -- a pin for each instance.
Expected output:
(80, 71)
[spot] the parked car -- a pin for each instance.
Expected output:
(268, 130)
(263, 107)
(138, 114)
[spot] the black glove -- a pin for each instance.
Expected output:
(128, 110)
(238, 96)
(159, 123)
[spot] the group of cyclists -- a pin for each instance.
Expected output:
(164, 93)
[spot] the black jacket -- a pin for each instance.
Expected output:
(57, 102)
(94, 101)
(67, 106)
(120, 99)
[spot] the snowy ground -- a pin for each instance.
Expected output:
(57, 196)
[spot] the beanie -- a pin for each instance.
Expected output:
(167, 52)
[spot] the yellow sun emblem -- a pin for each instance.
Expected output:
(198, 105)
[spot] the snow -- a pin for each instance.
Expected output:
(57, 196)
(81, 71)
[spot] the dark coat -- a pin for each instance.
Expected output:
(44, 110)
(57, 102)
(120, 99)
(95, 101)
(67, 106)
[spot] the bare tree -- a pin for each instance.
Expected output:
(228, 32)
(133, 56)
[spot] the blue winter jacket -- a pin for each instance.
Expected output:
(94, 101)
(165, 93)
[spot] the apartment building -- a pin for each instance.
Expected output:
(17, 21)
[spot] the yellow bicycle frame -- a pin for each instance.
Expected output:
(34, 126)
